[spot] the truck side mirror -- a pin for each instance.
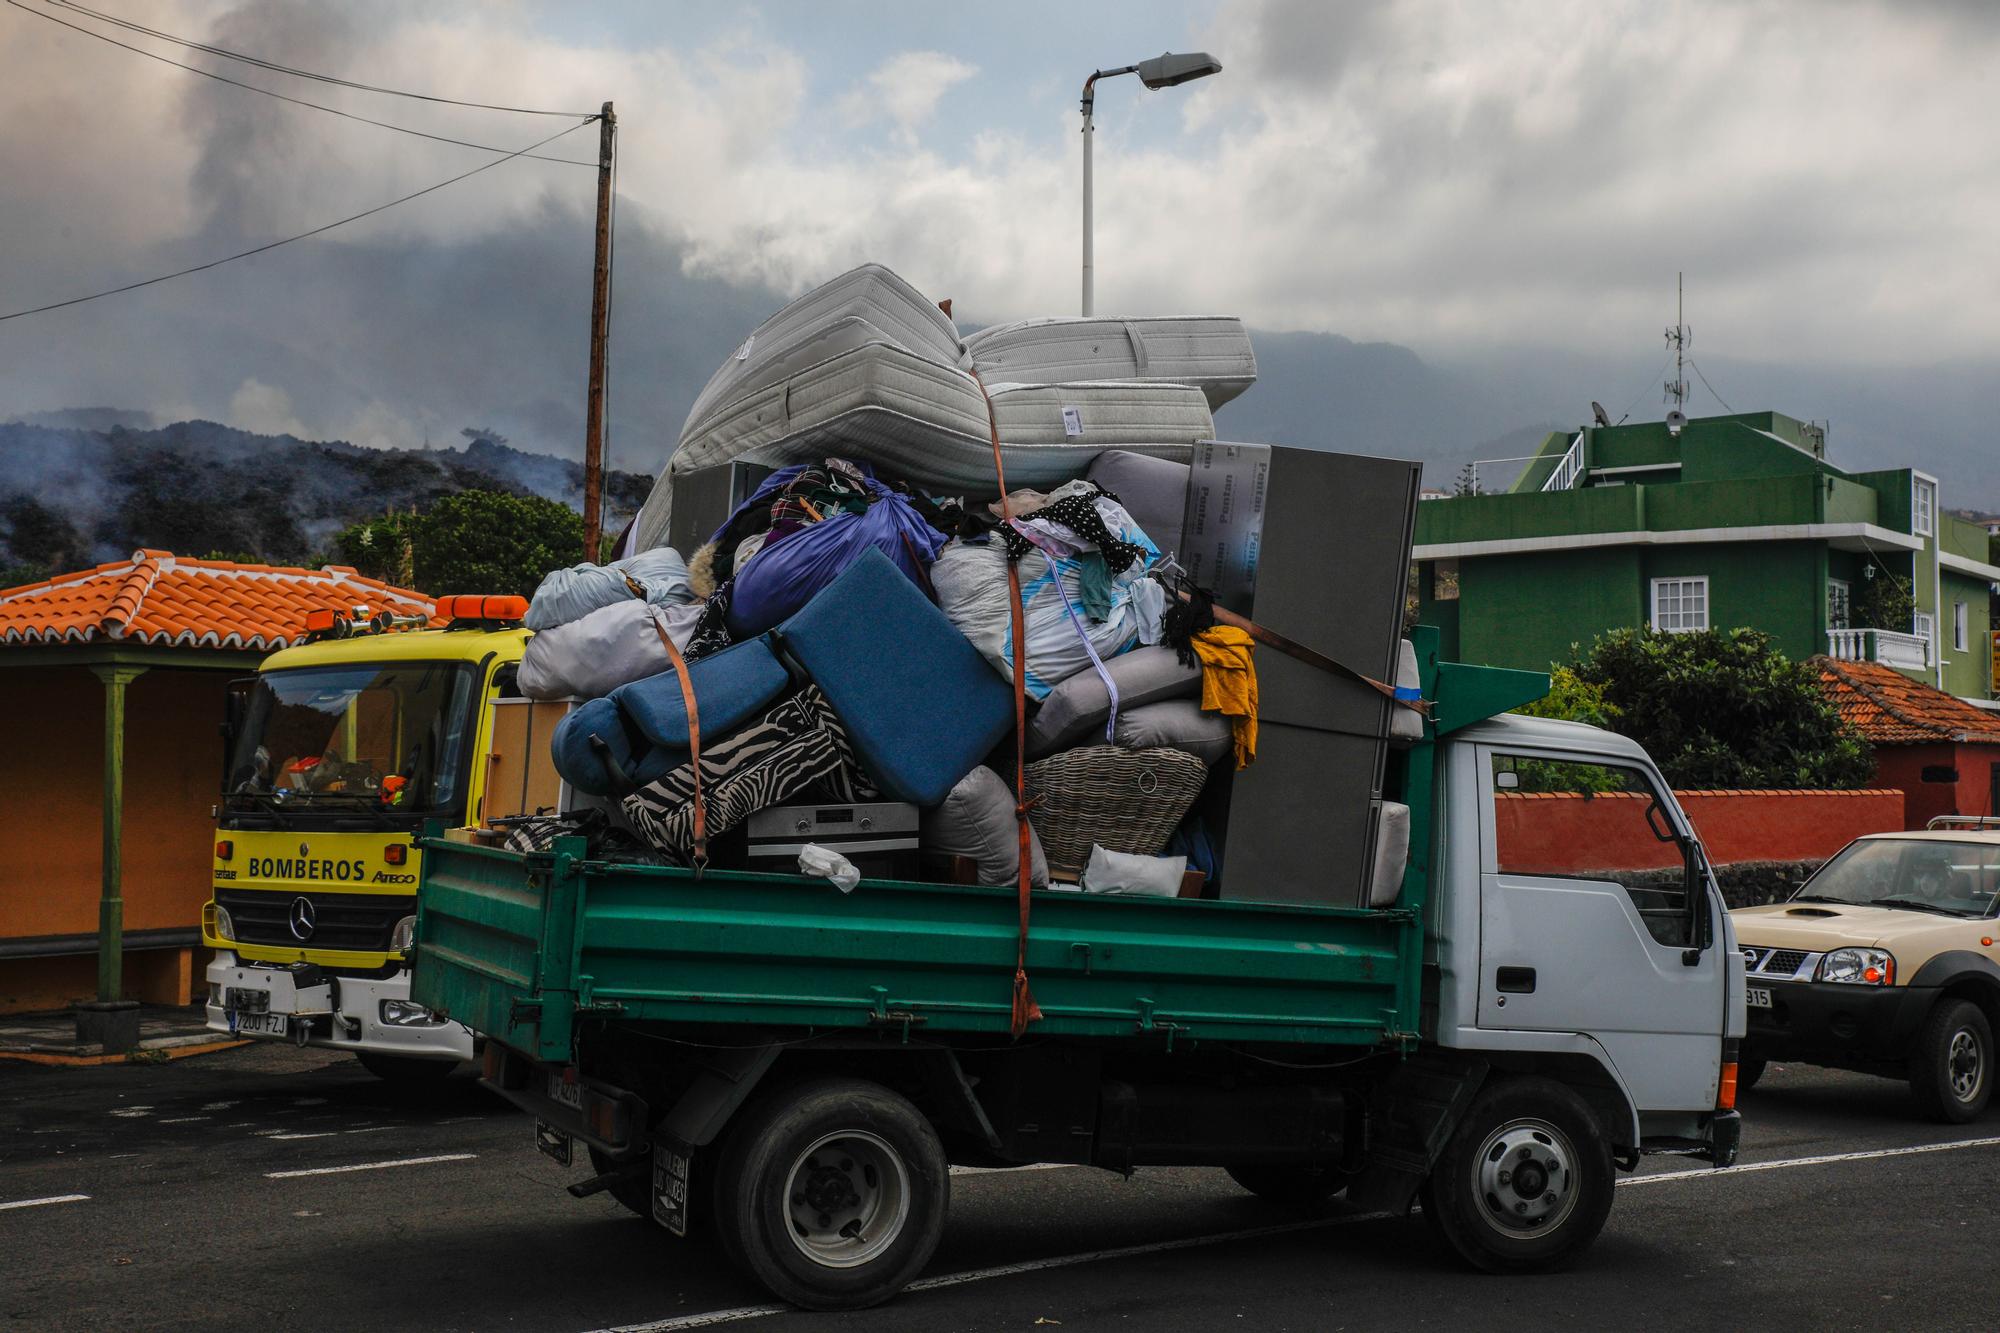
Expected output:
(1507, 780)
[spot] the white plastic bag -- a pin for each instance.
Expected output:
(568, 595)
(1131, 875)
(591, 657)
(828, 864)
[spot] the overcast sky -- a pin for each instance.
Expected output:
(1456, 177)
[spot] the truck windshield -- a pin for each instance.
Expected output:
(381, 737)
(1922, 874)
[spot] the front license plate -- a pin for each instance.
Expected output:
(1759, 997)
(564, 1093)
(554, 1143)
(268, 1025)
(670, 1188)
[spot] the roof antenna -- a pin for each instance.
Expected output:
(1680, 337)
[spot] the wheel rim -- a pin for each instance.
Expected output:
(1966, 1064)
(1524, 1178)
(846, 1198)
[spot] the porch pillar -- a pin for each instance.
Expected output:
(112, 1031)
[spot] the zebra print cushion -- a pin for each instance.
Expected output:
(796, 745)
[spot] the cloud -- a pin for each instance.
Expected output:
(905, 90)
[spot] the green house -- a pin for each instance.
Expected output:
(1723, 522)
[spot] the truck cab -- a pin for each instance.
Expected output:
(339, 750)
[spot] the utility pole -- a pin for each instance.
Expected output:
(600, 330)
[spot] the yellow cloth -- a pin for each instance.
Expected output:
(1229, 684)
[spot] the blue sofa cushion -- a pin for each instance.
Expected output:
(731, 687)
(920, 705)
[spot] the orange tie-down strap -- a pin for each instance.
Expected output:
(694, 746)
(1314, 658)
(1025, 1010)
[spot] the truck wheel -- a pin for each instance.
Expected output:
(1951, 1072)
(1298, 1187)
(635, 1190)
(1747, 1073)
(832, 1193)
(1524, 1185)
(404, 1068)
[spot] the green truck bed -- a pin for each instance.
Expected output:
(521, 947)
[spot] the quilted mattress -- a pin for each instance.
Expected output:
(1211, 352)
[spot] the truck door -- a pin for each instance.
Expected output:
(1595, 917)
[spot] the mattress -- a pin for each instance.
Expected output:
(1211, 352)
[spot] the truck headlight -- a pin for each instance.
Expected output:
(406, 1013)
(1859, 967)
(219, 923)
(403, 936)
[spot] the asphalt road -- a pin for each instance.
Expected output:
(274, 1189)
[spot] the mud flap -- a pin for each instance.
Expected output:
(1412, 1114)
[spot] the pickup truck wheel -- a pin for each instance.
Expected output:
(412, 1069)
(1951, 1072)
(1298, 1187)
(1524, 1185)
(832, 1193)
(634, 1190)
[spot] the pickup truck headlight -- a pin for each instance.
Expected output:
(1860, 967)
(403, 936)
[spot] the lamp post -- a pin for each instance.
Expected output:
(1162, 71)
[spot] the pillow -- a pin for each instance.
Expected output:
(977, 820)
(1076, 709)
(1181, 724)
(1153, 491)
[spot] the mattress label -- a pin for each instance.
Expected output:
(1072, 422)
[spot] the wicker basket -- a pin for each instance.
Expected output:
(1122, 800)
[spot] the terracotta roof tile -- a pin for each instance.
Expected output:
(1889, 708)
(164, 600)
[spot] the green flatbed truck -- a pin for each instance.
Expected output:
(792, 1070)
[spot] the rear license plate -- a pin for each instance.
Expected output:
(564, 1093)
(670, 1188)
(267, 1025)
(1759, 997)
(554, 1143)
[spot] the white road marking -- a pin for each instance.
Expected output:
(996, 1170)
(319, 1134)
(709, 1318)
(134, 1113)
(372, 1129)
(370, 1166)
(216, 1106)
(1866, 1155)
(186, 1119)
(37, 1203)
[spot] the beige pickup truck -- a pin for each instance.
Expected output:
(1886, 961)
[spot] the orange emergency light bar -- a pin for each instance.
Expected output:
(492, 609)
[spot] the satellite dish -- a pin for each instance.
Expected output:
(1598, 414)
(1676, 420)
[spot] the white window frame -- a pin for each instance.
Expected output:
(1923, 505)
(1924, 627)
(1846, 601)
(1958, 627)
(1681, 584)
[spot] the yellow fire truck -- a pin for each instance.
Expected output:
(339, 750)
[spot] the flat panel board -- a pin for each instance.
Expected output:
(522, 778)
(704, 499)
(1301, 819)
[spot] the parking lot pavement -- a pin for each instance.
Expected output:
(282, 1189)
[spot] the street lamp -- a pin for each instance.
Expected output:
(1162, 71)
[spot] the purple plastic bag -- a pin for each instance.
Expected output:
(785, 574)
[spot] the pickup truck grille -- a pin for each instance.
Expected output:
(360, 922)
(1775, 964)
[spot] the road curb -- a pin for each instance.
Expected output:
(153, 1052)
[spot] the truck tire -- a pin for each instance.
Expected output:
(832, 1193)
(406, 1069)
(1525, 1183)
(634, 1190)
(1748, 1072)
(1297, 1187)
(1951, 1070)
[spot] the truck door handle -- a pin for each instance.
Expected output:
(1515, 980)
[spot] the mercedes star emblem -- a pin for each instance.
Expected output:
(301, 918)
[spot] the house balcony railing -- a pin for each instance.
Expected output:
(1569, 472)
(1905, 652)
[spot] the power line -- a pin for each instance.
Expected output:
(234, 83)
(277, 68)
(1710, 387)
(316, 231)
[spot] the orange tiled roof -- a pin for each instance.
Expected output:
(164, 600)
(1889, 708)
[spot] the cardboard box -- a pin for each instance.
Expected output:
(522, 779)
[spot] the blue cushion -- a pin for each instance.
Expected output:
(582, 764)
(731, 687)
(920, 705)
